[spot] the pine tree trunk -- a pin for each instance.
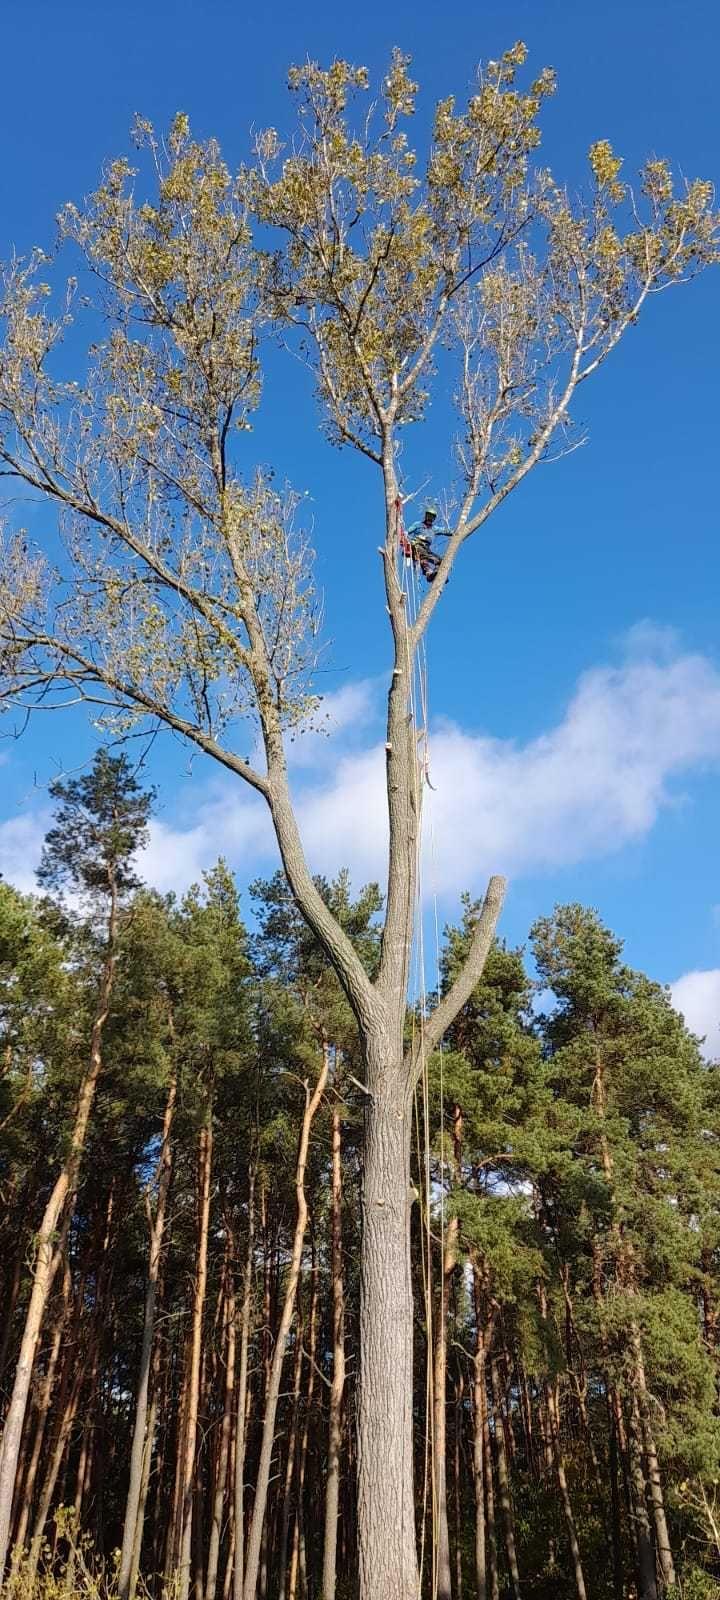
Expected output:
(48, 1249)
(291, 1455)
(252, 1565)
(624, 1455)
(662, 1537)
(142, 1441)
(62, 1436)
(579, 1382)
(479, 1447)
(205, 1148)
(225, 1431)
(614, 1498)
(506, 1510)
(242, 1396)
(165, 1386)
(174, 1525)
(647, 1582)
(385, 1496)
(332, 1490)
(297, 1560)
(527, 1418)
(490, 1498)
(456, 1490)
(43, 1408)
(561, 1475)
(145, 1481)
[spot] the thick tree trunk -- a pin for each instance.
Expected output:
(252, 1567)
(48, 1248)
(332, 1490)
(142, 1442)
(386, 1509)
(205, 1148)
(242, 1395)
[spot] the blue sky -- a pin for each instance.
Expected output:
(575, 666)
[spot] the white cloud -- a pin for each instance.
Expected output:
(344, 714)
(594, 783)
(230, 823)
(696, 995)
(20, 846)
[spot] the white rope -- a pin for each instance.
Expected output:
(409, 590)
(421, 770)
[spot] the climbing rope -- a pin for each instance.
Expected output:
(417, 674)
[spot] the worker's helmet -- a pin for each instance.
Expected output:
(430, 513)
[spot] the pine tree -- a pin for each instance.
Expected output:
(100, 824)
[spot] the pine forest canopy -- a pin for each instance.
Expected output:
(176, 592)
(578, 1169)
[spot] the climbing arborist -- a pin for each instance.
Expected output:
(420, 539)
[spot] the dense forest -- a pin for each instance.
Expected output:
(181, 1121)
